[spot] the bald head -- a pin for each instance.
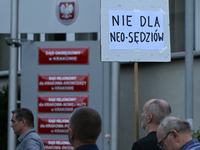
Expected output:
(158, 108)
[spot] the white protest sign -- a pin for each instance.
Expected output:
(135, 31)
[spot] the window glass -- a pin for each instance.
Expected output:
(4, 53)
(85, 36)
(177, 25)
(55, 37)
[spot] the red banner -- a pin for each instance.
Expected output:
(54, 144)
(64, 55)
(60, 104)
(63, 83)
(56, 125)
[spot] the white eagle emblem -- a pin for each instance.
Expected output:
(66, 11)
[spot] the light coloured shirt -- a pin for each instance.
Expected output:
(30, 140)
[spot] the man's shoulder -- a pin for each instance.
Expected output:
(88, 147)
(146, 143)
(33, 135)
(191, 145)
(149, 138)
(195, 148)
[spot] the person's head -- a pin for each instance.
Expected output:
(84, 126)
(153, 112)
(173, 133)
(22, 120)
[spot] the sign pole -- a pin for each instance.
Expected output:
(136, 100)
(12, 95)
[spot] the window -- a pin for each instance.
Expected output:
(177, 25)
(4, 53)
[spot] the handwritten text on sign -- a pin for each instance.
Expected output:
(140, 30)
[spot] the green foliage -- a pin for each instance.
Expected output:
(196, 134)
(4, 117)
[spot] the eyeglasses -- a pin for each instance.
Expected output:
(160, 144)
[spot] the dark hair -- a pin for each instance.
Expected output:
(26, 114)
(86, 123)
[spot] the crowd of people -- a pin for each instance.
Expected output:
(164, 131)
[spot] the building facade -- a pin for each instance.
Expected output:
(156, 80)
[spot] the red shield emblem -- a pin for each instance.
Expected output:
(66, 10)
